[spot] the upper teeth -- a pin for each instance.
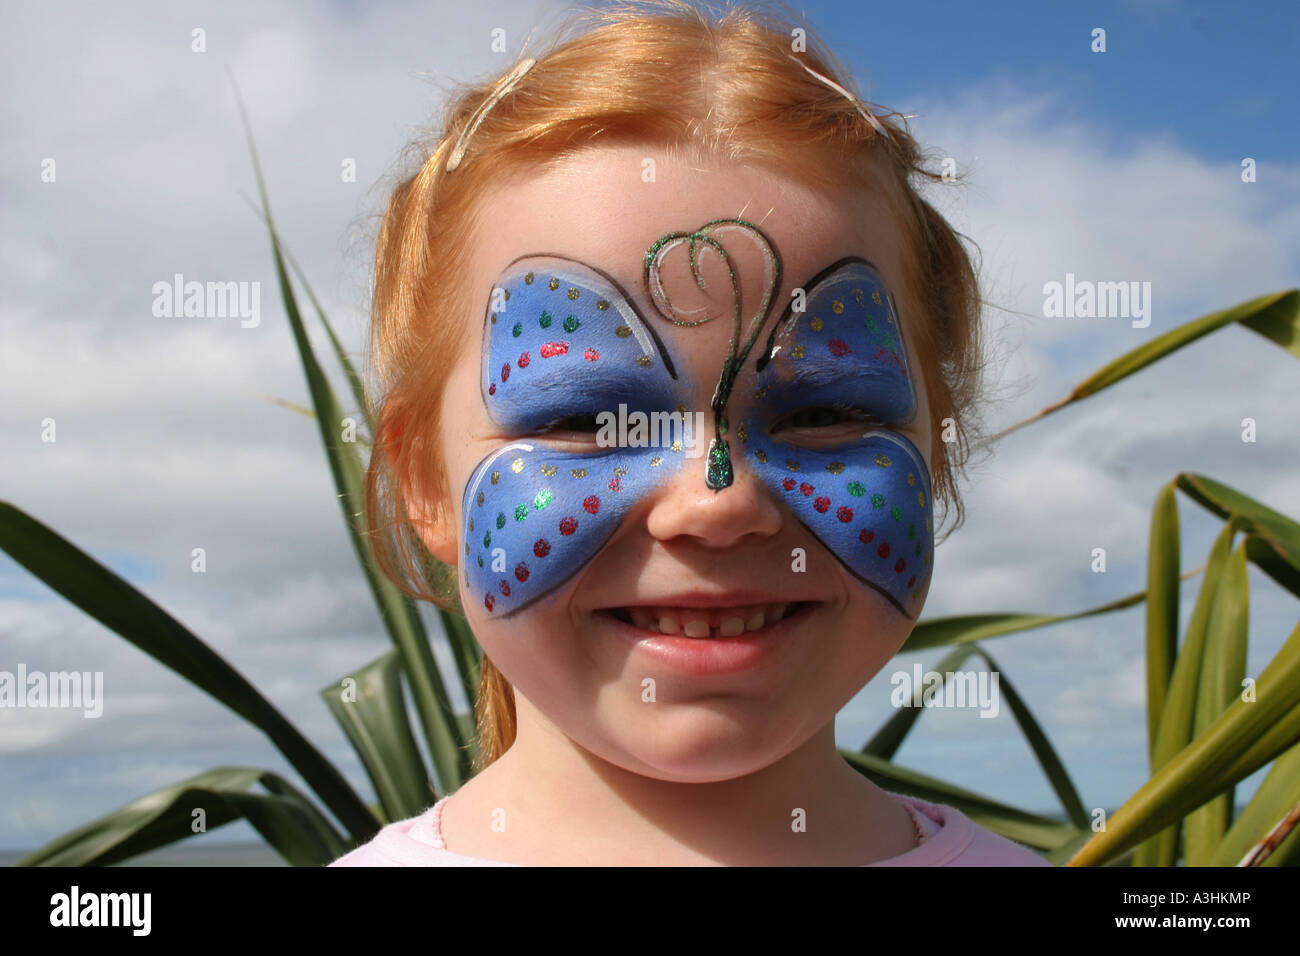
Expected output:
(707, 622)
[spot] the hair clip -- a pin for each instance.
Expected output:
(516, 74)
(878, 126)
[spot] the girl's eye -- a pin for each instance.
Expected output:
(573, 423)
(826, 416)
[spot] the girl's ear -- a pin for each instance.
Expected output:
(434, 523)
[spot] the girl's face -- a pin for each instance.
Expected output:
(677, 617)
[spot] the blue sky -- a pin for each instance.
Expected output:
(1122, 165)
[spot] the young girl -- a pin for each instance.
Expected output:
(666, 339)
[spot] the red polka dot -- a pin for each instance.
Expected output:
(521, 571)
(542, 548)
(552, 349)
(789, 484)
(911, 580)
(838, 347)
(489, 601)
(524, 360)
(900, 565)
(592, 505)
(821, 504)
(505, 371)
(806, 488)
(883, 550)
(492, 389)
(505, 588)
(568, 526)
(865, 536)
(844, 514)
(591, 355)
(614, 485)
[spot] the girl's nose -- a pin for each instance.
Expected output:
(686, 507)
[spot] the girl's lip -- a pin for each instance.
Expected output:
(728, 599)
(705, 657)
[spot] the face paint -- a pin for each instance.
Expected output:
(564, 340)
(868, 500)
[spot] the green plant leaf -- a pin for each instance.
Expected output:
(1222, 669)
(1277, 552)
(121, 608)
(283, 816)
(1163, 590)
(370, 707)
(1212, 762)
(449, 753)
(1036, 831)
(1273, 801)
(1275, 316)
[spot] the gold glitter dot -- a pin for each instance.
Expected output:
(645, 361)
(620, 472)
(762, 392)
(742, 432)
(496, 476)
(875, 296)
(920, 499)
(682, 409)
(517, 465)
(911, 479)
(528, 279)
(579, 472)
(573, 293)
(479, 499)
(623, 331)
(467, 570)
(791, 464)
(816, 324)
(882, 461)
(655, 461)
(471, 524)
(837, 307)
(553, 284)
(549, 470)
(927, 524)
(859, 297)
(835, 467)
(761, 455)
(603, 305)
(494, 318)
(927, 557)
(505, 294)
(677, 446)
(798, 352)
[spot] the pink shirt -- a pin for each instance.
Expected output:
(950, 839)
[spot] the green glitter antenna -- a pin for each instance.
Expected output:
(718, 472)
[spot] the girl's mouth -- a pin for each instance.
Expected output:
(707, 623)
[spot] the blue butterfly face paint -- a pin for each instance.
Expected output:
(562, 340)
(868, 501)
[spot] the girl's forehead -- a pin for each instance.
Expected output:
(607, 207)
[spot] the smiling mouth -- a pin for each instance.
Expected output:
(707, 623)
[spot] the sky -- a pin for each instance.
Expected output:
(1123, 165)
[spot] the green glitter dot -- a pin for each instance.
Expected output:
(911, 531)
(857, 489)
(487, 539)
(501, 519)
(521, 512)
(545, 320)
(571, 324)
(718, 474)
(897, 512)
(542, 500)
(871, 323)
(877, 501)
(889, 342)
(518, 330)
(480, 560)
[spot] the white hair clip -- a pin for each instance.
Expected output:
(515, 75)
(878, 126)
